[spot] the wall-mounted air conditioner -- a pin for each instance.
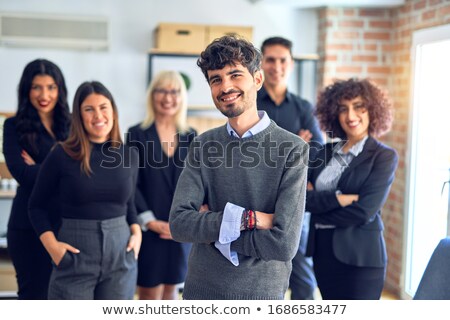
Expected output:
(54, 31)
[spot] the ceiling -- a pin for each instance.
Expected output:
(334, 3)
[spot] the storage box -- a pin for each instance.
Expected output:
(180, 38)
(215, 32)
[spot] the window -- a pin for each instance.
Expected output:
(427, 201)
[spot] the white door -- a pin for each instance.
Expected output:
(427, 201)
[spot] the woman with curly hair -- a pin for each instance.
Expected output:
(42, 119)
(349, 184)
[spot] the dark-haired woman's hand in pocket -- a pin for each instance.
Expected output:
(56, 249)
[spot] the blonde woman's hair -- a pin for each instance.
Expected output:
(165, 79)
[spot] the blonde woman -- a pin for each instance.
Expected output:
(163, 140)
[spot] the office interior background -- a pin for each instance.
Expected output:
(403, 45)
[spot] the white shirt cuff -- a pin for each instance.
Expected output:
(230, 231)
(144, 218)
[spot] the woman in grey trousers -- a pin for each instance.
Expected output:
(95, 251)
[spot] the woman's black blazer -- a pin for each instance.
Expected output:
(358, 237)
(156, 185)
(25, 174)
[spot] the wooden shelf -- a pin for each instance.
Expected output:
(174, 53)
(308, 56)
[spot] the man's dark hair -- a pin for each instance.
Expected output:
(229, 50)
(277, 41)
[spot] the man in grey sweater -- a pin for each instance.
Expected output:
(240, 199)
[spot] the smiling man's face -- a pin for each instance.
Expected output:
(234, 89)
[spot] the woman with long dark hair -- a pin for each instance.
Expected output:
(94, 252)
(41, 120)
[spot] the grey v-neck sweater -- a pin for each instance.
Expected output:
(266, 172)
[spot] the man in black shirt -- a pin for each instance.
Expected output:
(293, 114)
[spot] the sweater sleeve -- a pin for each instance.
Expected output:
(281, 242)
(187, 224)
(372, 196)
(46, 186)
(23, 173)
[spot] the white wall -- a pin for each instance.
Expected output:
(123, 68)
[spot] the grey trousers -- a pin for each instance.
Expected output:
(103, 269)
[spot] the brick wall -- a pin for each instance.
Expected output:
(354, 42)
(376, 43)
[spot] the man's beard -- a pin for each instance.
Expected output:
(232, 112)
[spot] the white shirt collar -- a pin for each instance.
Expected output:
(263, 123)
(356, 148)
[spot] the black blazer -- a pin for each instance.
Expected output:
(156, 182)
(25, 174)
(358, 237)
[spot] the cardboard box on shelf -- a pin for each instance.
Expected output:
(215, 32)
(180, 38)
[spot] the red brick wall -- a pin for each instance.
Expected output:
(354, 43)
(376, 43)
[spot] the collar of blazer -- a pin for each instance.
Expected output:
(369, 148)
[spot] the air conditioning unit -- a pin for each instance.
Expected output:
(49, 31)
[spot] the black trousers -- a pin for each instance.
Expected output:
(340, 281)
(31, 262)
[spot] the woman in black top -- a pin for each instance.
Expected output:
(349, 184)
(41, 120)
(97, 245)
(163, 140)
